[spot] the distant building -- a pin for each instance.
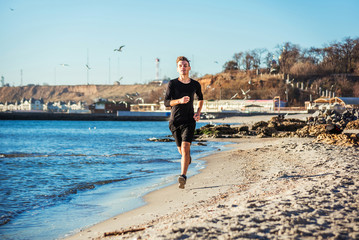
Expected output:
(70, 106)
(33, 104)
(337, 103)
(145, 107)
(76, 106)
(241, 105)
(159, 82)
(110, 107)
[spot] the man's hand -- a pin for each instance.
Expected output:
(197, 116)
(184, 100)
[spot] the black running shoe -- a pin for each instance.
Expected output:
(182, 181)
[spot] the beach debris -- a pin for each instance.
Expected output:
(311, 131)
(352, 125)
(278, 127)
(344, 139)
(116, 233)
(220, 131)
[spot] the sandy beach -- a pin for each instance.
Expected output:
(266, 188)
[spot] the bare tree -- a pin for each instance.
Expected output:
(257, 55)
(312, 55)
(268, 60)
(248, 61)
(288, 55)
(348, 51)
(230, 65)
(237, 57)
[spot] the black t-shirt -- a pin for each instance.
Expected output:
(182, 113)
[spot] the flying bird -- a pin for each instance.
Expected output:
(235, 95)
(88, 67)
(119, 49)
(64, 64)
(11, 9)
(245, 93)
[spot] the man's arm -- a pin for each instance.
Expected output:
(197, 115)
(183, 100)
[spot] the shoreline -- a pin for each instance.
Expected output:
(282, 188)
(166, 201)
(154, 209)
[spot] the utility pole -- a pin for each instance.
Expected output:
(55, 76)
(109, 71)
(21, 77)
(88, 67)
(141, 69)
(157, 69)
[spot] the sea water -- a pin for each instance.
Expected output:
(59, 176)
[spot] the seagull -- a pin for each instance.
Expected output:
(245, 93)
(119, 49)
(64, 65)
(215, 62)
(129, 96)
(88, 67)
(11, 9)
(235, 95)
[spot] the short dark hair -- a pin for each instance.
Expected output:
(182, 58)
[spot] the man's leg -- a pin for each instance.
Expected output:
(185, 151)
(186, 155)
(180, 152)
(185, 161)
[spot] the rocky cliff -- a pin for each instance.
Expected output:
(86, 93)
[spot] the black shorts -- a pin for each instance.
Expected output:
(182, 132)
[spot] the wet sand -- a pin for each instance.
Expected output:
(268, 188)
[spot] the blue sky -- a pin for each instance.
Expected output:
(37, 36)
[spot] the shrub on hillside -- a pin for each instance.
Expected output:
(300, 69)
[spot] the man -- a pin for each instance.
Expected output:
(180, 96)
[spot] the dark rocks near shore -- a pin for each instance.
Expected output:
(221, 131)
(333, 117)
(160, 139)
(326, 126)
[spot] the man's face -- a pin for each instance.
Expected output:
(183, 67)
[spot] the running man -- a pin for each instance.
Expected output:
(180, 96)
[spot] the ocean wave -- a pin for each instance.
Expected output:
(82, 187)
(140, 171)
(7, 216)
(39, 155)
(156, 160)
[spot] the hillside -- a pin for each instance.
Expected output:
(225, 85)
(86, 93)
